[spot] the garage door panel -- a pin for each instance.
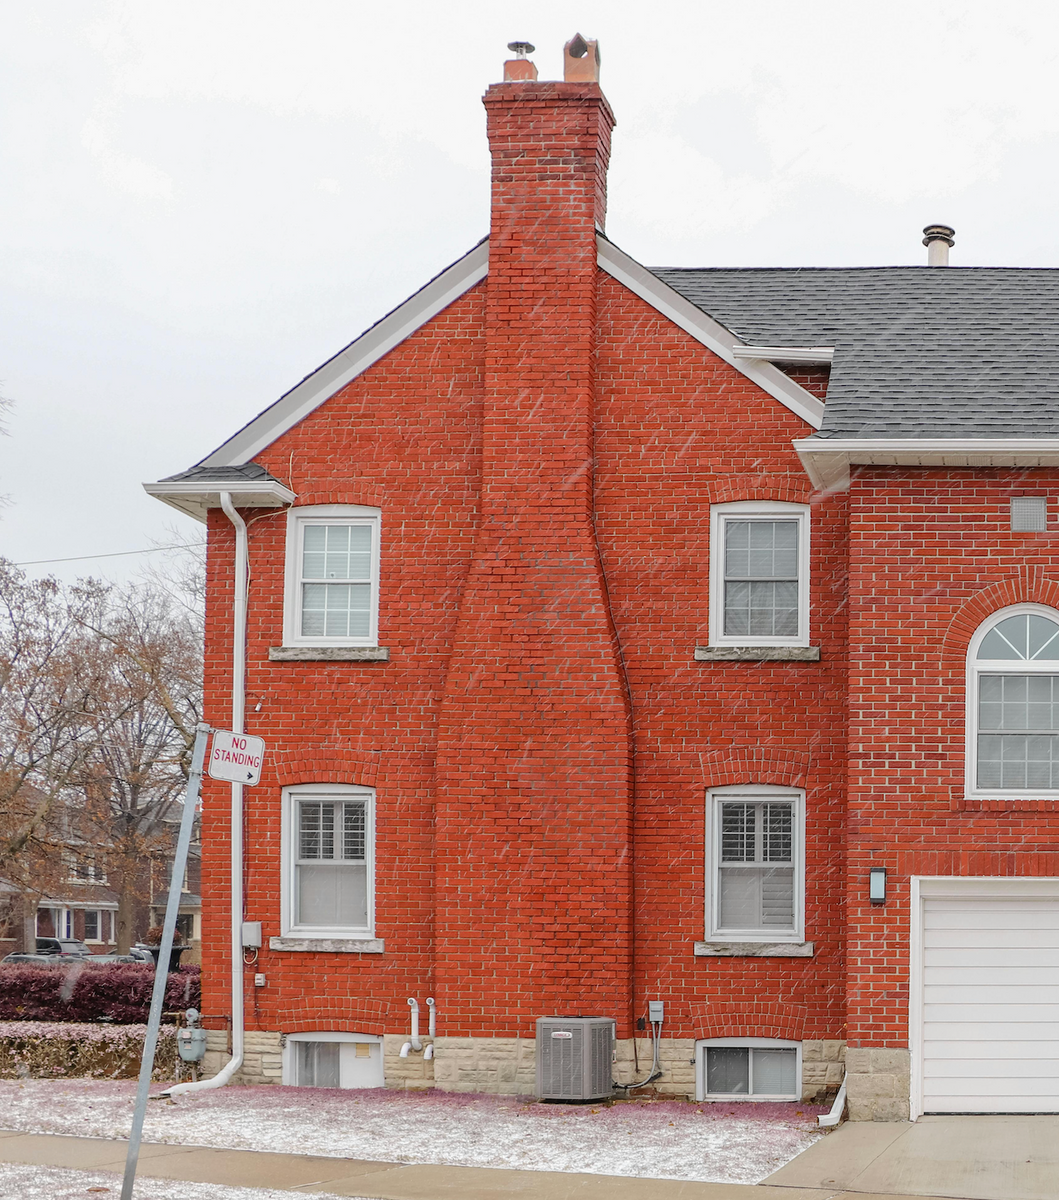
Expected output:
(997, 957)
(975, 918)
(1029, 939)
(993, 1068)
(990, 1005)
(988, 993)
(996, 1014)
(968, 1041)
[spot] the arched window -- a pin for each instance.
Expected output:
(1013, 703)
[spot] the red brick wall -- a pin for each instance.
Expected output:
(679, 430)
(931, 556)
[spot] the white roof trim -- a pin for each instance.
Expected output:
(802, 354)
(706, 330)
(356, 358)
(827, 460)
(195, 496)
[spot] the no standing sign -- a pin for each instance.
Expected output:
(236, 757)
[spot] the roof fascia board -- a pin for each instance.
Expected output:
(828, 460)
(707, 331)
(354, 360)
(194, 498)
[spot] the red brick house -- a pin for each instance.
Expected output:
(624, 635)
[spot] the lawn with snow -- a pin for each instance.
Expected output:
(722, 1143)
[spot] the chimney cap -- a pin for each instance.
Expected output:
(939, 233)
(521, 48)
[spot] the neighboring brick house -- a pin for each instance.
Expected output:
(613, 631)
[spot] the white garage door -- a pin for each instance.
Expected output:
(990, 1005)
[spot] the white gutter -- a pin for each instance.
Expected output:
(828, 460)
(241, 587)
(802, 354)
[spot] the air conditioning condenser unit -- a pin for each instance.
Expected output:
(575, 1058)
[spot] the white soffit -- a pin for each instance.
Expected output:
(709, 332)
(827, 460)
(800, 354)
(195, 496)
(356, 358)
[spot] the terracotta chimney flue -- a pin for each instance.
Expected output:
(938, 239)
(581, 60)
(519, 69)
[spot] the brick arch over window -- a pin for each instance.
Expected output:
(1029, 586)
(794, 490)
(732, 1018)
(324, 765)
(755, 764)
(354, 1016)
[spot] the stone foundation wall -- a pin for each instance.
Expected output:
(676, 1060)
(823, 1068)
(262, 1056)
(502, 1066)
(877, 1083)
(407, 1074)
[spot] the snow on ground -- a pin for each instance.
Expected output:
(723, 1143)
(18, 1182)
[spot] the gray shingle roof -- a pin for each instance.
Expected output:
(219, 474)
(969, 352)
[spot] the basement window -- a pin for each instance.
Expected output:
(748, 1069)
(332, 1059)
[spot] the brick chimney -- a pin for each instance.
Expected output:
(534, 756)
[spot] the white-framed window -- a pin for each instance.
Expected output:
(83, 868)
(328, 838)
(333, 1060)
(331, 594)
(756, 864)
(748, 1069)
(759, 574)
(1013, 704)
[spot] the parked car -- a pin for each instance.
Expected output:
(136, 955)
(19, 958)
(63, 947)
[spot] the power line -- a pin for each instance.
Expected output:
(42, 562)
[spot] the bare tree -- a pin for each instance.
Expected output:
(100, 693)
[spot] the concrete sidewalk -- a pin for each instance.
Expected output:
(849, 1155)
(972, 1157)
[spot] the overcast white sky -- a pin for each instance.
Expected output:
(202, 201)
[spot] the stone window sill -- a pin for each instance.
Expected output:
(753, 949)
(757, 653)
(329, 945)
(328, 654)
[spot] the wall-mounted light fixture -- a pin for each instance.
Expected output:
(877, 885)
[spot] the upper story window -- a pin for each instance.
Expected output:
(328, 861)
(332, 584)
(1013, 703)
(755, 857)
(759, 574)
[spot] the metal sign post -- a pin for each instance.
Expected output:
(161, 974)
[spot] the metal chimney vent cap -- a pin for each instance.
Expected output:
(521, 48)
(939, 233)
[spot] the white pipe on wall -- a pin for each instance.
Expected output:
(239, 604)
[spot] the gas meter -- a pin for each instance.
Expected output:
(191, 1042)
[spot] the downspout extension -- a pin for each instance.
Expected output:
(239, 604)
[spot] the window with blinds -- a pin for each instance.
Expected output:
(755, 866)
(754, 1072)
(331, 863)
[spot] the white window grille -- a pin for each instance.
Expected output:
(759, 574)
(332, 584)
(1013, 704)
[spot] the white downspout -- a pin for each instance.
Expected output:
(431, 1026)
(415, 1043)
(238, 716)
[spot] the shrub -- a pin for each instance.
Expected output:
(39, 1050)
(114, 992)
